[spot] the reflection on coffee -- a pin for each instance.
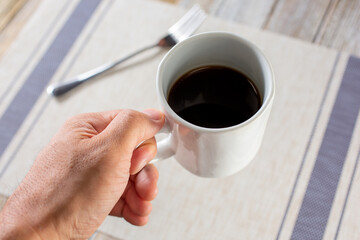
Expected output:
(214, 97)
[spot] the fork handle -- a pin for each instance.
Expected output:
(58, 89)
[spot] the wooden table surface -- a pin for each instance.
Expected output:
(331, 23)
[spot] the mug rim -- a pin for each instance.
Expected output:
(169, 110)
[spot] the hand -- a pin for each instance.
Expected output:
(91, 168)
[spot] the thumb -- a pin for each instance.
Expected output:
(129, 128)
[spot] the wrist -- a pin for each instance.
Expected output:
(24, 216)
(16, 224)
(13, 226)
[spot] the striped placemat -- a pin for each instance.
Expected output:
(304, 182)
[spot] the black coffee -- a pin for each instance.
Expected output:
(214, 97)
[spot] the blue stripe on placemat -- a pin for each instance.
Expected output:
(46, 103)
(35, 84)
(347, 196)
(308, 145)
(315, 209)
(36, 49)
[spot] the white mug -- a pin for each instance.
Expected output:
(214, 152)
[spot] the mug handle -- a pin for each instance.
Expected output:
(164, 146)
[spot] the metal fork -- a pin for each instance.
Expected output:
(181, 30)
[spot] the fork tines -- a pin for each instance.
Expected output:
(183, 28)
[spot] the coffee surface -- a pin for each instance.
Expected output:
(214, 97)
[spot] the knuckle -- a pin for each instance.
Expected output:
(129, 113)
(132, 118)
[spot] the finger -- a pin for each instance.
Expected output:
(117, 210)
(146, 182)
(134, 219)
(129, 127)
(142, 155)
(136, 204)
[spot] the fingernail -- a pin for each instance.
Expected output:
(154, 114)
